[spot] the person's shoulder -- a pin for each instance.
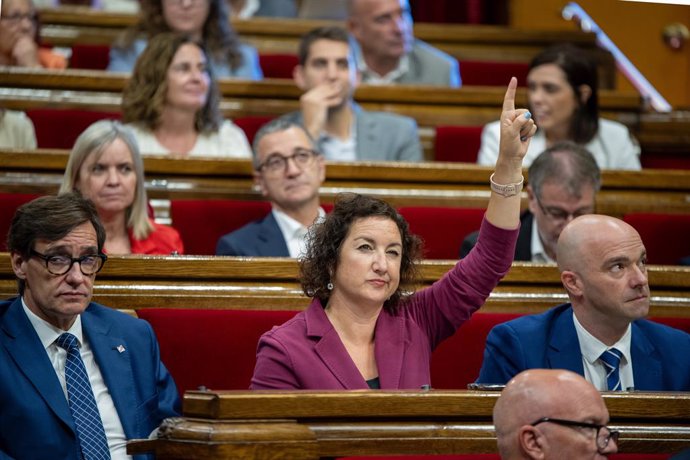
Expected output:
(539, 320)
(163, 230)
(612, 128)
(249, 230)
(387, 118)
(426, 52)
(114, 316)
(293, 329)
(658, 331)
(6, 304)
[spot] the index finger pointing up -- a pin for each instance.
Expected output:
(509, 98)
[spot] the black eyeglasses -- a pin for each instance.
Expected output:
(559, 214)
(604, 433)
(89, 264)
(18, 17)
(276, 163)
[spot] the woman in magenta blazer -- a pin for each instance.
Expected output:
(365, 328)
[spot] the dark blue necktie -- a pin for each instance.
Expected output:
(82, 404)
(612, 359)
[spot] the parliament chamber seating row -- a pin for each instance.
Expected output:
(202, 222)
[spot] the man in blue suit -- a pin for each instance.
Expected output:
(56, 246)
(602, 261)
(289, 171)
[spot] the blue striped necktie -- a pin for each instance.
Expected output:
(612, 359)
(82, 404)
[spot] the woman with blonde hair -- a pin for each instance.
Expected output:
(172, 103)
(105, 166)
(205, 20)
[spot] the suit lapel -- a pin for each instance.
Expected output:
(564, 347)
(367, 141)
(646, 361)
(272, 242)
(331, 350)
(25, 348)
(390, 347)
(113, 357)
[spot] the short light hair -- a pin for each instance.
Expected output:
(568, 164)
(93, 141)
(274, 126)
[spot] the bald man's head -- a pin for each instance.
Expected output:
(538, 393)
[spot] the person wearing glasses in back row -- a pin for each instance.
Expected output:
(288, 171)
(77, 379)
(563, 183)
(552, 414)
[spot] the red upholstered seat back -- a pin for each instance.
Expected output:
(250, 125)
(211, 348)
(278, 65)
(59, 128)
(9, 202)
(202, 222)
(88, 56)
(442, 228)
(492, 73)
(457, 143)
(665, 236)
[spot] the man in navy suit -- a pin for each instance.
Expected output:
(603, 268)
(56, 243)
(289, 171)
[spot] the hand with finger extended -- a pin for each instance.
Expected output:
(315, 104)
(517, 127)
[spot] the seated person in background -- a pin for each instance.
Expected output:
(77, 379)
(19, 36)
(16, 130)
(550, 415)
(388, 52)
(562, 94)
(288, 171)
(323, 9)
(364, 327)
(205, 20)
(342, 129)
(172, 103)
(563, 183)
(243, 9)
(601, 334)
(105, 167)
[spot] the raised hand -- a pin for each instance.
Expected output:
(315, 104)
(517, 127)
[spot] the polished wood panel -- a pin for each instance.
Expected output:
(134, 282)
(422, 184)
(338, 423)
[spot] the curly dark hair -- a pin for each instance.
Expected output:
(326, 238)
(580, 69)
(144, 96)
(218, 35)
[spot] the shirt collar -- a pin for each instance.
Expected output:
(371, 77)
(592, 348)
(289, 226)
(538, 252)
(48, 333)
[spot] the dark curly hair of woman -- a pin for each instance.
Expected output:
(326, 238)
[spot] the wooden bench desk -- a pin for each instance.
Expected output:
(313, 425)
(409, 184)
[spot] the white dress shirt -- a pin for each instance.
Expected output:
(538, 252)
(294, 232)
(592, 348)
(48, 334)
(370, 77)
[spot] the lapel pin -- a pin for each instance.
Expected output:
(121, 348)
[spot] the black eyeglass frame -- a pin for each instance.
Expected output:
(80, 259)
(284, 159)
(601, 446)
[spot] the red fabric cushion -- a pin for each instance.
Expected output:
(211, 348)
(202, 222)
(665, 236)
(250, 125)
(665, 160)
(457, 143)
(442, 228)
(278, 65)
(9, 202)
(493, 73)
(59, 128)
(95, 57)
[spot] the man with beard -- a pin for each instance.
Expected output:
(601, 334)
(343, 131)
